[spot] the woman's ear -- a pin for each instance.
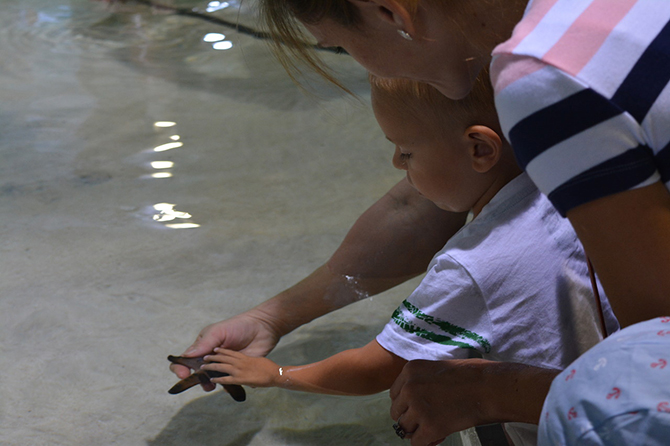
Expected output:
(389, 11)
(484, 147)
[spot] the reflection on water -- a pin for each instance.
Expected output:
(165, 124)
(96, 293)
(224, 45)
(213, 37)
(216, 6)
(168, 213)
(217, 40)
(168, 146)
(162, 164)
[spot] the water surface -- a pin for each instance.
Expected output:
(151, 184)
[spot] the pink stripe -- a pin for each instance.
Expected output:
(535, 14)
(508, 69)
(586, 35)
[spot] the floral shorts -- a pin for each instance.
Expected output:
(617, 393)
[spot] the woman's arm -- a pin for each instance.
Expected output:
(362, 371)
(391, 242)
(627, 237)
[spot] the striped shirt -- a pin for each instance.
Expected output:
(583, 96)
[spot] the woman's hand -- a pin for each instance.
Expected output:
(248, 332)
(242, 369)
(433, 399)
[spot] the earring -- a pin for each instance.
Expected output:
(405, 35)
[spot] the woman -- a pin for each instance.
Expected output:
(580, 92)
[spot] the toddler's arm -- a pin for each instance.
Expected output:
(360, 371)
(391, 242)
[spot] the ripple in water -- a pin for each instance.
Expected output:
(91, 28)
(51, 28)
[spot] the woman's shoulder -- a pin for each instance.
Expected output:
(596, 42)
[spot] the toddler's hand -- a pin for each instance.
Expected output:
(242, 369)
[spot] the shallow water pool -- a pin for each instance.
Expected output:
(159, 173)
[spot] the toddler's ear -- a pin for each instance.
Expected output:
(484, 147)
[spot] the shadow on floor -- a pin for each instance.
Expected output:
(280, 417)
(277, 417)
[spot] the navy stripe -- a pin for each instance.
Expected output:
(663, 163)
(547, 127)
(612, 176)
(647, 79)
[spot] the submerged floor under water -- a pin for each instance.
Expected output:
(152, 184)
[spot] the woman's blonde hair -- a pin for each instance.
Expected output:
(289, 43)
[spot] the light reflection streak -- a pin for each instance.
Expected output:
(216, 6)
(213, 37)
(161, 175)
(168, 146)
(162, 164)
(222, 46)
(168, 213)
(182, 225)
(165, 124)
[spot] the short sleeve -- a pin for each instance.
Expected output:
(576, 144)
(444, 318)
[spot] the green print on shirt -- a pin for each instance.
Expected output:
(444, 326)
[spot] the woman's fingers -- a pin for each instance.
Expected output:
(405, 426)
(428, 401)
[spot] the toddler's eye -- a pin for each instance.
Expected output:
(339, 50)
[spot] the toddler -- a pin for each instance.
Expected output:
(512, 285)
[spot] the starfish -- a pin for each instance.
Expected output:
(202, 377)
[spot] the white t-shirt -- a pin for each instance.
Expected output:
(513, 285)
